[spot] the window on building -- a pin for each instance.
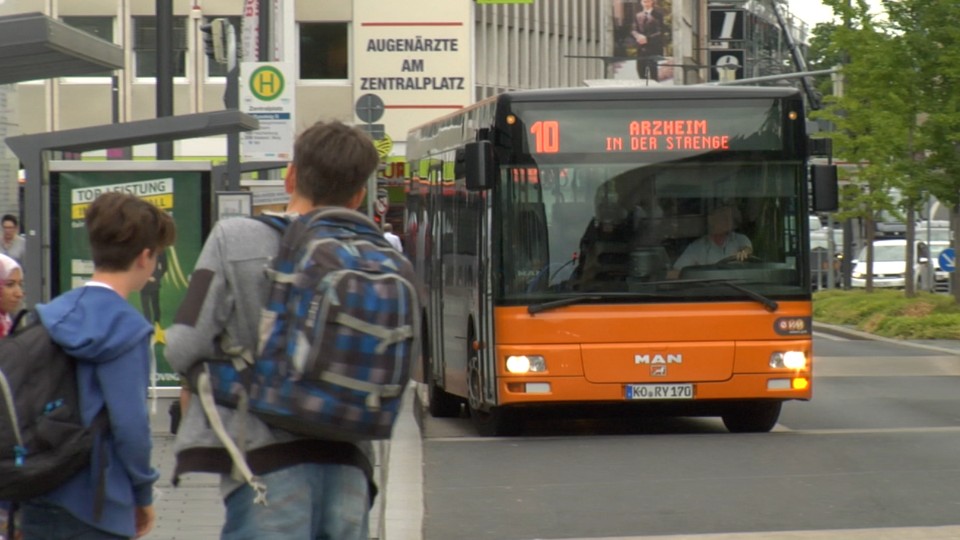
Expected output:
(323, 51)
(145, 46)
(214, 68)
(101, 27)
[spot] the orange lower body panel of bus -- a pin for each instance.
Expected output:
(732, 351)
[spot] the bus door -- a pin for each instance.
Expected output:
(433, 265)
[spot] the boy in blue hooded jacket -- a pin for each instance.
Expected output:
(110, 340)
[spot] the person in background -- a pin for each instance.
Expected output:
(392, 238)
(11, 298)
(12, 244)
(112, 497)
(11, 292)
(720, 242)
(150, 294)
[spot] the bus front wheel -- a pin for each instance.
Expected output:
(496, 422)
(492, 422)
(759, 417)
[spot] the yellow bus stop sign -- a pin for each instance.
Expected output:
(266, 83)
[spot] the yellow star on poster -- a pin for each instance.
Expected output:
(159, 336)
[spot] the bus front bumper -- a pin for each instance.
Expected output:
(763, 386)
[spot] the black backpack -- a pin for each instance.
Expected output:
(42, 439)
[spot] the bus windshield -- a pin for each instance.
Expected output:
(649, 232)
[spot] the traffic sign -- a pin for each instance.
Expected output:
(369, 108)
(383, 146)
(382, 204)
(267, 95)
(267, 83)
(947, 260)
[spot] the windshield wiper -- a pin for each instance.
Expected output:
(568, 301)
(770, 304)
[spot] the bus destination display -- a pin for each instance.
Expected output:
(624, 130)
(645, 136)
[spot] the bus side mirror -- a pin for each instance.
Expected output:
(825, 188)
(481, 165)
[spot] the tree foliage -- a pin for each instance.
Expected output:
(898, 116)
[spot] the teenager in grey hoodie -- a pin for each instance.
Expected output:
(314, 488)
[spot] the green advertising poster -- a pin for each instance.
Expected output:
(180, 193)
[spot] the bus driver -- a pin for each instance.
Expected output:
(720, 242)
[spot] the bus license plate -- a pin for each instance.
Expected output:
(659, 391)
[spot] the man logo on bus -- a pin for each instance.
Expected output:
(658, 359)
(658, 370)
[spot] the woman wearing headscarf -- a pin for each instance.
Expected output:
(11, 292)
(11, 296)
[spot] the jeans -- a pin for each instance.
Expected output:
(44, 521)
(304, 502)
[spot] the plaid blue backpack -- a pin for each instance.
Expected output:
(337, 336)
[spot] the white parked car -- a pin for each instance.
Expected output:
(890, 265)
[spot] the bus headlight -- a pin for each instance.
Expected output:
(789, 360)
(519, 365)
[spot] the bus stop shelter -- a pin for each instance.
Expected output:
(34, 152)
(34, 46)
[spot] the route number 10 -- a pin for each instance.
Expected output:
(546, 135)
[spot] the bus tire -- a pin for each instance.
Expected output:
(758, 417)
(494, 421)
(441, 403)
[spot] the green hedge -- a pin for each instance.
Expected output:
(890, 314)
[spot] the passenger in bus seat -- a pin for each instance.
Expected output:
(605, 245)
(720, 243)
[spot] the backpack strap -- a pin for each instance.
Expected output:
(357, 221)
(100, 425)
(22, 318)
(205, 393)
(275, 222)
(12, 519)
(387, 336)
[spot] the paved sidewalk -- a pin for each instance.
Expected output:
(194, 510)
(898, 533)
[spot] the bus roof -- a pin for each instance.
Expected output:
(615, 93)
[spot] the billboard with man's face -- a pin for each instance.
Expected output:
(643, 41)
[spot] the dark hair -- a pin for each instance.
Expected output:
(120, 226)
(333, 162)
(10, 217)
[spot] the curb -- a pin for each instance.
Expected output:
(403, 501)
(851, 333)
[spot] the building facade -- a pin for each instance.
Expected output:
(387, 68)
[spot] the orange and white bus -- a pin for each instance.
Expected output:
(571, 250)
